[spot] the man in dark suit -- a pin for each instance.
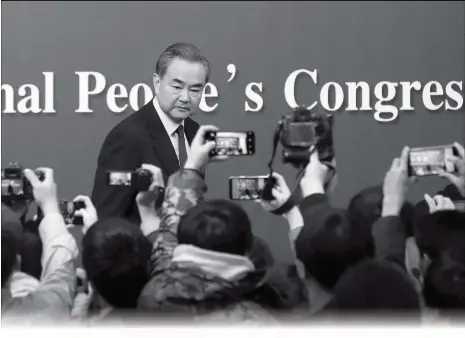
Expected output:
(159, 133)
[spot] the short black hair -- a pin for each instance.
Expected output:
(439, 231)
(444, 283)
(328, 247)
(366, 207)
(10, 250)
(31, 248)
(115, 256)
(184, 51)
(375, 287)
(217, 225)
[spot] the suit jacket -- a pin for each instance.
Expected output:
(140, 138)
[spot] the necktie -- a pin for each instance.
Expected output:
(181, 146)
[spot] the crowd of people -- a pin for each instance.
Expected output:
(197, 260)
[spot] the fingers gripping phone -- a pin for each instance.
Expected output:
(427, 161)
(232, 143)
(247, 187)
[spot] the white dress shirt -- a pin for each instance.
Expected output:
(171, 127)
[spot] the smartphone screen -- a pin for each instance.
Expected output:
(233, 143)
(460, 205)
(246, 187)
(119, 178)
(431, 160)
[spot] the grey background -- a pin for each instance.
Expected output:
(353, 41)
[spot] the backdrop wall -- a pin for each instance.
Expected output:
(354, 41)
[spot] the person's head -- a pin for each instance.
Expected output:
(366, 207)
(374, 287)
(180, 76)
(328, 248)
(444, 282)
(115, 257)
(10, 254)
(439, 231)
(217, 225)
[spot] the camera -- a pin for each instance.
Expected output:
(15, 186)
(68, 210)
(301, 129)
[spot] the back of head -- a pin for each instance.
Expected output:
(217, 225)
(327, 248)
(444, 283)
(374, 287)
(366, 207)
(115, 256)
(439, 231)
(10, 250)
(184, 51)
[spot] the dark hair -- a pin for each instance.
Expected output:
(217, 225)
(328, 247)
(31, 249)
(375, 285)
(115, 256)
(439, 231)
(184, 51)
(10, 250)
(366, 207)
(444, 284)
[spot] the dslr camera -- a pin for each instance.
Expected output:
(68, 210)
(301, 129)
(15, 186)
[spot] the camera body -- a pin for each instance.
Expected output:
(68, 210)
(15, 186)
(302, 129)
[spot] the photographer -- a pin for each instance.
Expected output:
(381, 286)
(115, 254)
(200, 267)
(286, 277)
(327, 243)
(53, 298)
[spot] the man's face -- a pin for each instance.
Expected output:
(180, 90)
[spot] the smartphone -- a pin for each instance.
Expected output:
(427, 161)
(232, 143)
(246, 187)
(67, 210)
(119, 178)
(460, 205)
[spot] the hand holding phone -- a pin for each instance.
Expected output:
(428, 161)
(246, 187)
(140, 179)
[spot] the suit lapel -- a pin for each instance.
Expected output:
(161, 141)
(191, 128)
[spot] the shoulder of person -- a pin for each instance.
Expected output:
(128, 128)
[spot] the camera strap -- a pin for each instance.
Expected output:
(277, 134)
